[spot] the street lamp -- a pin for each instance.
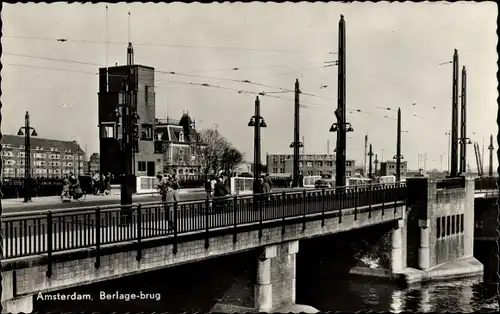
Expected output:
(257, 122)
(28, 132)
(398, 157)
(341, 127)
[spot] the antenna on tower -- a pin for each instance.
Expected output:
(107, 69)
(129, 26)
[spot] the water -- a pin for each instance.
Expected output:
(362, 294)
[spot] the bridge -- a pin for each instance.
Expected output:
(431, 225)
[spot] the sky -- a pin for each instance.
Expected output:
(397, 55)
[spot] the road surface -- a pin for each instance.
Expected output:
(96, 201)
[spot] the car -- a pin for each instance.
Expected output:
(323, 184)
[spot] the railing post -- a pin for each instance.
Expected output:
(176, 209)
(355, 203)
(48, 273)
(235, 206)
(139, 231)
(323, 201)
(383, 200)
(283, 205)
(97, 263)
(304, 210)
(395, 194)
(339, 203)
(370, 197)
(260, 199)
(207, 204)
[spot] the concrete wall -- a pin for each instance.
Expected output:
(452, 209)
(30, 276)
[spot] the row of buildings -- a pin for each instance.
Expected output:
(324, 164)
(49, 158)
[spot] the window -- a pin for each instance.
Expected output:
(443, 229)
(448, 222)
(453, 224)
(301, 164)
(309, 164)
(141, 166)
(462, 223)
(147, 132)
(438, 227)
(275, 170)
(282, 170)
(181, 136)
(319, 164)
(329, 163)
(309, 173)
(275, 159)
(457, 222)
(282, 159)
(348, 173)
(108, 130)
(347, 163)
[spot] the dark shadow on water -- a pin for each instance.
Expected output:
(191, 287)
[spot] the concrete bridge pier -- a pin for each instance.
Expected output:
(398, 251)
(424, 252)
(276, 271)
(11, 303)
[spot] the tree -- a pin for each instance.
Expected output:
(231, 158)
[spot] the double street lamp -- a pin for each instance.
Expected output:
(28, 132)
(257, 122)
(342, 128)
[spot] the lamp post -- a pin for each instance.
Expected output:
(341, 127)
(491, 148)
(449, 145)
(257, 122)
(454, 118)
(370, 154)
(296, 144)
(376, 164)
(398, 155)
(463, 141)
(28, 132)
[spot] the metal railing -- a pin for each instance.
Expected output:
(487, 186)
(47, 232)
(451, 183)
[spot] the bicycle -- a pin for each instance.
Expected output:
(70, 196)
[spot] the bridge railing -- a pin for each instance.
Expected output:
(451, 183)
(48, 232)
(485, 183)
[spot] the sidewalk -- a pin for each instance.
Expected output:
(47, 200)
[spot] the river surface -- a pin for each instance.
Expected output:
(361, 294)
(326, 294)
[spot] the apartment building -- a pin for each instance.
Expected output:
(388, 168)
(94, 162)
(309, 164)
(49, 158)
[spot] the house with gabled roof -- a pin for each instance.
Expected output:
(179, 140)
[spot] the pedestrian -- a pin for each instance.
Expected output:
(267, 185)
(96, 182)
(65, 189)
(167, 198)
(220, 190)
(174, 183)
(208, 187)
(107, 184)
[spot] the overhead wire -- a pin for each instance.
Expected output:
(65, 39)
(178, 73)
(304, 104)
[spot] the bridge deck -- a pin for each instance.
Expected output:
(78, 229)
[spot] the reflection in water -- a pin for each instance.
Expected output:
(397, 301)
(363, 294)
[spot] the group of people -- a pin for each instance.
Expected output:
(169, 186)
(101, 183)
(71, 187)
(216, 187)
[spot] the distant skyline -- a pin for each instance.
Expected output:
(397, 55)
